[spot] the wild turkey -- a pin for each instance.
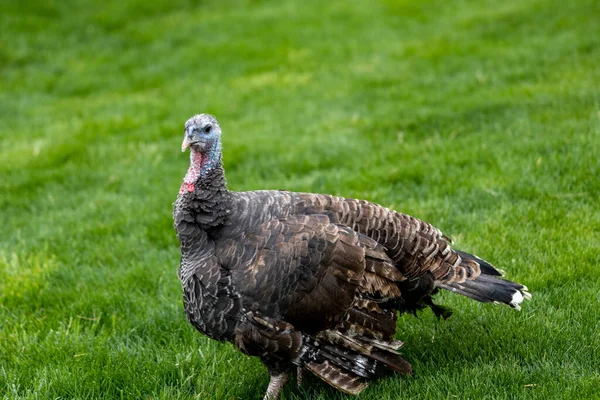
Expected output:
(311, 281)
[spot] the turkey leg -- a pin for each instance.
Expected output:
(276, 383)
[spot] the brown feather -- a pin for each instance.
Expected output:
(342, 380)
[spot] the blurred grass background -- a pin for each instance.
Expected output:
(482, 117)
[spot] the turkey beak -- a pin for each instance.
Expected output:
(186, 143)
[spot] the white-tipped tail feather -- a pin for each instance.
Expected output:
(491, 289)
(519, 296)
(517, 299)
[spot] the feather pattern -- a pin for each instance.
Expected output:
(311, 281)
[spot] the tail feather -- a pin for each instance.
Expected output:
(486, 267)
(489, 286)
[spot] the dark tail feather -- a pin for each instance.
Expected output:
(486, 267)
(489, 286)
(487, 289)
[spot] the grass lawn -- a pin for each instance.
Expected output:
(482, 117)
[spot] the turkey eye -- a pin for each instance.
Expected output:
(207, 129)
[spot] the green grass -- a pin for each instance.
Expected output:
(482, 117)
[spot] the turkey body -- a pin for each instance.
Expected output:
(311, 282)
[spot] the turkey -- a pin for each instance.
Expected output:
(311, 282)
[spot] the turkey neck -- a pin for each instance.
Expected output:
(204, 200)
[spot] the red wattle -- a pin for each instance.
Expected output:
(193, 172)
